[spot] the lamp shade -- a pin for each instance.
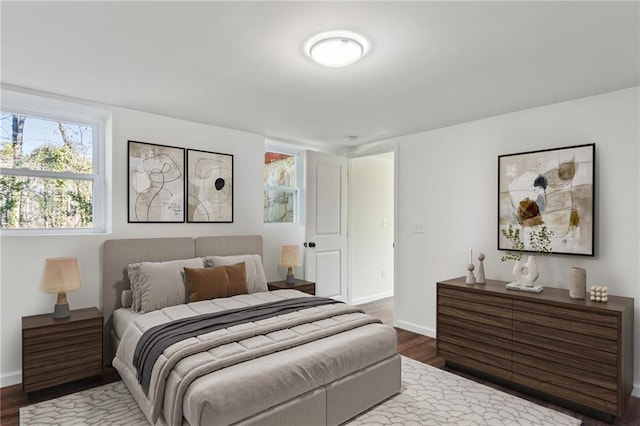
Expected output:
(61, 274)
(290, 256)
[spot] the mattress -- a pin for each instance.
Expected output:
(259, 370)
(122, 317)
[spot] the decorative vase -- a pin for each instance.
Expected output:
(578, 283)
(526, 273)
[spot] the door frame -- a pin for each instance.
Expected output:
(382, 149)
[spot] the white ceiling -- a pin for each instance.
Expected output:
(241, 64)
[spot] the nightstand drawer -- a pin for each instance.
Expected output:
(70, 350)
(64, 331)
(88, 359)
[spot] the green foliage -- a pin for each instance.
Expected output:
(55, 202)
(10, 189)
(539, 240)
(513, 234)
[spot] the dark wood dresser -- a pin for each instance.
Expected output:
(56, 351)
(578, 351)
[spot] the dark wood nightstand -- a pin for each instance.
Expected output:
(56, 351)
(301, 285)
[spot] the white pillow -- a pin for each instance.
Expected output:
(256, 279)
(160, 284)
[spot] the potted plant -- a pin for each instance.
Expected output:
(526, 273)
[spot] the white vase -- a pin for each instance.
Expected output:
(578, 283)
(526, 273)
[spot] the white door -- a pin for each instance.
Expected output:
(326, 224)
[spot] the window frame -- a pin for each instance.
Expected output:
(37, 106)
(298, 213)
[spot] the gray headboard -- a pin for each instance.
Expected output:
(117, 254)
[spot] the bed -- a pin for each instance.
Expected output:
(315, 362)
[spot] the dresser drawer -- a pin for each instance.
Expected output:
(566, 342)
(569, 314)
(588, 395)
(553, 324)
(472, 296)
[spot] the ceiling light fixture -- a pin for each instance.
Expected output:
(336, 48)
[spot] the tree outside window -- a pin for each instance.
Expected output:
(46, 173)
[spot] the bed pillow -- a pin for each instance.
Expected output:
(256, 279)
(132, 274)
(126, 298)
(219, 281)
(161, 284)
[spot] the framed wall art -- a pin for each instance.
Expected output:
(552, 188)
(209, 186)
(156, 183)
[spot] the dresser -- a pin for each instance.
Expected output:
(576, 350)
(57, 351)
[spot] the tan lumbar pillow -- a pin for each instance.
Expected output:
(219, 281)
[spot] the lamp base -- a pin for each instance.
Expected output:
(291, 279)
(61, 311)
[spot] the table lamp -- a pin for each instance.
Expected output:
(61, 274)
(290, 257)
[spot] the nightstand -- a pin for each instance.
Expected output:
(57, 351)
(301, 285)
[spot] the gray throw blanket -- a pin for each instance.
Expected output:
(155, 340)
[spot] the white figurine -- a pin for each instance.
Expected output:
(480, 275)
(470, 278)
(599, 293)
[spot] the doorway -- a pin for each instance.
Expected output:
(371, 227)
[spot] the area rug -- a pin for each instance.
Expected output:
(429, 396)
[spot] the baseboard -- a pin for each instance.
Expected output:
(372, 298)
(636, 390)
(425, 331)
(11, 379)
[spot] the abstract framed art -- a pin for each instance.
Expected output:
(552, 188)
(209, 186)
(156, 183)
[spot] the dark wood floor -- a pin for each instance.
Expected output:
(411, 345)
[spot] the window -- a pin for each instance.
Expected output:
(50, 176)
(282, 175)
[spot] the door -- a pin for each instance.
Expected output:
(326, 224)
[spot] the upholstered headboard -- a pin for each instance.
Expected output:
(117, 254)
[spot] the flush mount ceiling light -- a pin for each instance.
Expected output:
(336, 48)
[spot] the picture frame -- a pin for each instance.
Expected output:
(554, 188)
(209, 187)
(155, 183)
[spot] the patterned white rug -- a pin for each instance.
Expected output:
(429, 396)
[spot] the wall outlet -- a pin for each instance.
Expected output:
(419, 228)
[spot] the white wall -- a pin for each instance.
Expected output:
(448, 179)
(371, 225)
(22, 257)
